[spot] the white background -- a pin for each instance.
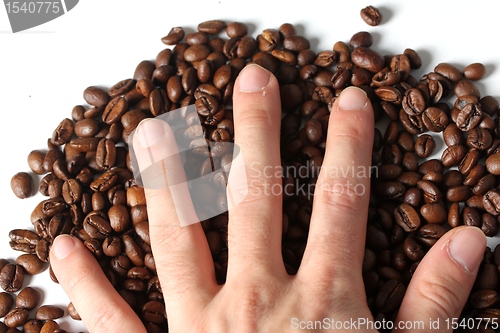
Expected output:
(43, 71)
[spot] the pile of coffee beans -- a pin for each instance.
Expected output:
(91, 193)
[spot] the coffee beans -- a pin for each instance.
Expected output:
(91, 193)
(22, 185)
(371, 15)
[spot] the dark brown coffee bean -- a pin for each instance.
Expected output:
(296, 43)
(479, 138)
(493, 164)
(430, 190)
(371, 15)
(362, 38)
(435, 119)
(119, 218)
(144, 70)
(196, 53)
(133, 251)
(96, 96)
(433, 213)
(35, 161)
(49, 312)
(484, 184)
(412, 249)
(390, 190)
(390, 296)
(414, 58)
(474, 71)
(424, 145)
(466, 87)
(72, 312)
(174, 36)
(114, 110)
(211, 27)
(458, 193)
(6, 302)
(469, 117)
(97, 225)
(449, 71)
(489, 105)
(413, 196)
(106, 181)
(120, 88)
(28, 298)
(470, 161)
(482, 299)
(452, 135)
(368, 59)
(491, 202)
(454, 215)
(16, 317)
(407, 218)
(429, 234)
(50, 326)
(11, 277)
(62, 134)
(413, 102)
(489, 225)
(453, 155)
(22, 185)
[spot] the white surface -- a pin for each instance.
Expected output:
(43, 71)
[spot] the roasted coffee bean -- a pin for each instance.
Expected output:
(49, 312)
(479, 138)
(433, 213)
(474, 71)
(72, 312)
(97, 225)
(32, 326)
(16, 317)
(390, 296)
(62, 134)
(430, 190)
(6, 302)
(35, 161)
(211, 27)
(452, 135)
(96, 96)
(11, 277)
(174, 36)
(484, 184)
(413, 102)
(362, 38)
(493, 164)
(453, 155)
(407, 218)
(424, 145)
(489, 225)
(22, 185)
(50, 326)
(469, 117)
(449, 71)
(491, 202)
(371, 15)
(119, 218)
(368, 59)
(429, 234)
(31, 264)
(28, 298)
(482, 299)
(435, 119)
(389, 94)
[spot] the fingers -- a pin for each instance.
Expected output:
(443, 280)
(99, 305)
(338, 223)
(255, 223)
(182, 257)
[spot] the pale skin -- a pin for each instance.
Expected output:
(259, 295)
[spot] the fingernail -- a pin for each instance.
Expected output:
(466, 248)
(150, 131)
(352, 98)
(63, 245)
(253, 78)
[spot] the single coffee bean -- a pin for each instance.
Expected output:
(469, 161)
(11, 277)
(453, 155)
(31, 264)
(390, 296)
(493, 164)
(362, 38)
(144, 70)
(433, 213)
(32, 326)
(484, 184)
(482, 299)
(435, 119)
(174, 36)
(211, 27)
(371, 15)
(28, 298)
(412, 249)
(16, 317)
(96, 96)
(407, 218)
(424, 145)
(469, 117)
(49, 312)
(491, 202)
(22, 185)
(449, 71)
(368, 59)
(430, 190)
(6, 302)
(35, 161)
(474, 71)
(429, 234)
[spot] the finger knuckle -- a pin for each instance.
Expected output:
(443, 293)
(345, 194)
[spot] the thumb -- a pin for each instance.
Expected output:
(443, 280)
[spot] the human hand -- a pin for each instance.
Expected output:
(259, 295)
